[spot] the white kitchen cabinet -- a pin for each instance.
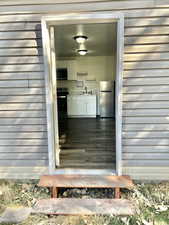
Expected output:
(71, 68)
(71, 105)
(72, 72)
(91, 106)
(75, 106)
(81, 105)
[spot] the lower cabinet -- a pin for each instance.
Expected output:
(91, 106)
(81, 105)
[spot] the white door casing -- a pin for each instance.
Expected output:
(52, 121)
(54, 94)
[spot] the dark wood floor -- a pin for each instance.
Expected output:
(87, 143)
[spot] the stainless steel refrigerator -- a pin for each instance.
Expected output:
(107, 99)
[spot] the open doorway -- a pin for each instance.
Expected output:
(83, 65)
(85, 72)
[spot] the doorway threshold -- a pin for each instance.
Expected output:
(71, 171)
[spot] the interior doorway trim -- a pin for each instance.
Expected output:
(50, 80)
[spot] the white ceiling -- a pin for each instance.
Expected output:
(101, 39)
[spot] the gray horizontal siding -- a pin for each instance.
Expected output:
(145, 112)
(145, 86)
(22, 128)
(145, 127)
(146, 95)
(56, 7)
(22, 162)
(23, 132)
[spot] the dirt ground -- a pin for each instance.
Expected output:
(152, 199)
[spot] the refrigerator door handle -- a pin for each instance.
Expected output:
(106, 91)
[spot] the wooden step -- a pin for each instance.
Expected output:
(71, 206)
(84, 181)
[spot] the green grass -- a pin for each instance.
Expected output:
(152, 199)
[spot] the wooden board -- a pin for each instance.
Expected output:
(20, 43)
(21, 52)
(148, 119)
(25, 68)
(24, 163)
(148, 163)
(146, 127)
(146, 81)
(143, 65)
(146, 89)
(146, 142)
(20, 18)
(23, 142)
(154, 173)
(21, 156)
(24, 121)
(146, 13)
(22, 76)
(22, 106)
(146, 105)
(139, 9)
(22, 91)
(146, 72)
(146, 156)
(21, 114)
(70, 206)
(146, 31)
(17, 59)
(16, 172)
(27, 26)
(12, 35)
(23, 149)
(21, 128)
(25, 99)
(15, 83)
(146, 48)
(32, 2)
(146, 112)
(152, 149)
(85, 181)
(16, 135)
(131, 22)
(130, 40)
(51, 8)
(146, 97)
(37, 83)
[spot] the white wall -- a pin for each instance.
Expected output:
(97, 67)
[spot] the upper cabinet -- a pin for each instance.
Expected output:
(70, 65)
(72, 70)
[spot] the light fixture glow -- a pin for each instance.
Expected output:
(80, 39)
(82, 51)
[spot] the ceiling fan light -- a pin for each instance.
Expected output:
(80, 39)
(82, 51)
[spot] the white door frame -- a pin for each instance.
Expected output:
(77, 18)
